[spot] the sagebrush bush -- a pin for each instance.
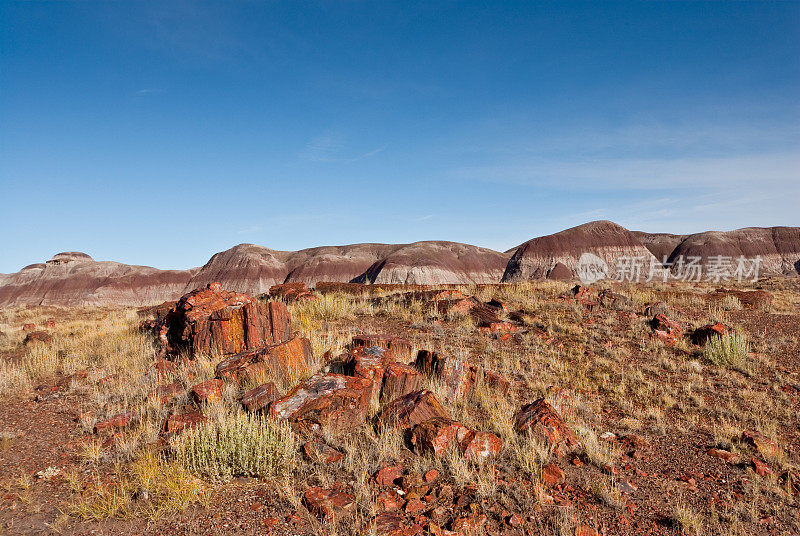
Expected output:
(238, 445)
(729, 350)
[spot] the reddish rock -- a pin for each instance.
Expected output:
(208, 392)
(662, 322)
(401, 348)
(761, 468)
(665, 337)
(214, 320)
(552, 474)
(515, 520)
(389, 500)
(431, 475)
(286, 359)
(120, 420)
(459, 378)
(479, 446)
(496, 381)
(585, 530)
(702, 334)
(729, 457)
(434, 435)
(165, 394)
(260, 397)
(763, 445)
(469, 525)
(390, 524)
(435, 295)
(456, 377)
(176, 423)
(28, 327)
(329, 503)
(399, 380)
(426, 361)
(163, 368)
(545, 423)
(412, 409)
(291, 292)
(319, 451)
(388, 475)
(462, 306)
(415, 507)
(328, 401)
(369, 362)
(37, 336)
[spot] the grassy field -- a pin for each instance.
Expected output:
(600, 368)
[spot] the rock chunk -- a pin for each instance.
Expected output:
(120, 420)
(460, 378)
(666, 329)
(329, 503)
(260, 397)
(208, 392)
(283, 360)
(479, 446)
(401, 348)
(434, 435)
(319, 451)
(291, 292)
(701, 335)
(399, 380)
(544, 422)
(214, 320)
(37, 336)
(331, 401)
(412, 409)
(176, 423)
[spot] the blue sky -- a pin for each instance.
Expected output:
(160, 133)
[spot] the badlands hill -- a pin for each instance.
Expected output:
(537, 258)
(77, 279)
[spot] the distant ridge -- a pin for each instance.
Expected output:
(74, 278)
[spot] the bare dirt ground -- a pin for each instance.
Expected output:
(664, 428)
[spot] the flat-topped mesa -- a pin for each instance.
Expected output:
(211, 319)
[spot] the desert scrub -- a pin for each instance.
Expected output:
(238, 445)
(729, 350)
(151, 487)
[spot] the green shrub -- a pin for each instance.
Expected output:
(730, 350)
(238, 445)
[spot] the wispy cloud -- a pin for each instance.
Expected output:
(149, 91)
(727, 171)
(250, 230)
(333, 147)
